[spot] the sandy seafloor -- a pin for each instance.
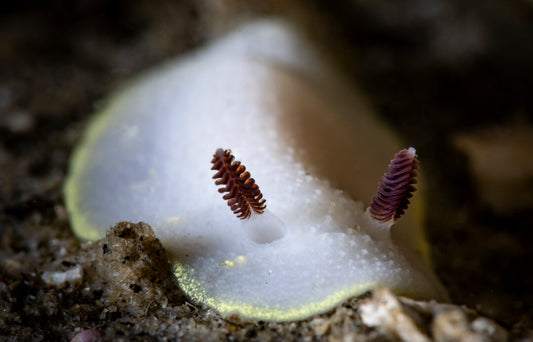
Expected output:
(436, 71)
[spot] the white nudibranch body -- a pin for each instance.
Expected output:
(310, 142)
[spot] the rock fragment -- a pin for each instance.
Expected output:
(385, 312)
(409, 320)
(130, 268)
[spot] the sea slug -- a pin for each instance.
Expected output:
(312, 143)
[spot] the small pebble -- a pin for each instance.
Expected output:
(87, 336)
(18, 121)
(59, 278)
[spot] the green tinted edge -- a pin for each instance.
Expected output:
(196, 292)
(81, 224)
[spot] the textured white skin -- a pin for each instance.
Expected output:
(301, 132)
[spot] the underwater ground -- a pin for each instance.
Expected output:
(453, 77)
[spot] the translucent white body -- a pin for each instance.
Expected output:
(309, 141)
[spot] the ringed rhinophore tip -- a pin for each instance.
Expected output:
(243, 194)
(392, 198)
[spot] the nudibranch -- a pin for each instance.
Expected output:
(311, 142)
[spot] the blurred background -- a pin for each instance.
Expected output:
(453, 77)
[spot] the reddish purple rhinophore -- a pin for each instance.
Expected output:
(243, 195)
(392, 198)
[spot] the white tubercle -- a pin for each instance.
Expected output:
(308, 139)
(264, 228)
(377, 230)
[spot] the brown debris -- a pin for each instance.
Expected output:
(501, 163)
(131, 268)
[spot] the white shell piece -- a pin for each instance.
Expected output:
(311, 144)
